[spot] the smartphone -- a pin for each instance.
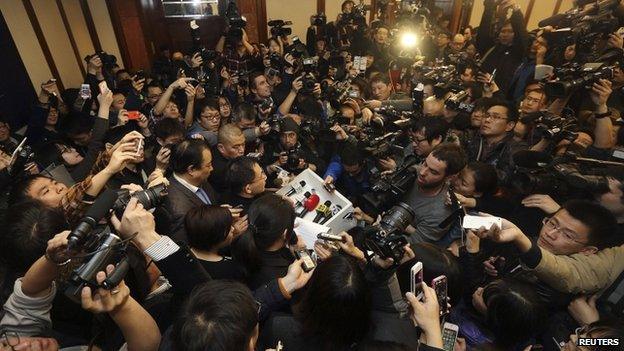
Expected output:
(140, 74)
(492, 76)
(449, 335)
(279, 346)
(308, 263)
(440, 285)
(85, 91)
(476, 222)
(134, 115)
(139, 149)
(103, 87)
(416, 279)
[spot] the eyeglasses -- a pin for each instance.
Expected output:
(550, 225)
(494, 116)
(10, 338)
(213, 117)
(263, 176)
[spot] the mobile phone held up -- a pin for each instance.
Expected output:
(449, 335)
(440, 285)
(416, 279)
(134, 115)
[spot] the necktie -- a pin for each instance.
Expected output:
(203, 196)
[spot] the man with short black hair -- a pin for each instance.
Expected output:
(427, 198)
(495, 144)
(191, 162)
(246, 181)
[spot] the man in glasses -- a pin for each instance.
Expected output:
(495, 144)
(246, 181)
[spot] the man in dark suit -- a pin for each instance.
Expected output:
(191, 162)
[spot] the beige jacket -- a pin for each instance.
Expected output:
(581, 274)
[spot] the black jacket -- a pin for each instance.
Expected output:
(505, 59)
(177, 203)
(499, 155)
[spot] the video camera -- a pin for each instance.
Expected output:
(235, 22)
(101, 245)
(583, 77)
(386, 189)
(108, 60)
(457, 102)
(552, 127)
(319, 19)
(566, 176)
(279, 29)
(23, 155)
(387, 239)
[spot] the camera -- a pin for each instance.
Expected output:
(457, 102)
(386, 189)
(584, 77)
(387, 239)
(149, 198)
(292, 165)
(308, 79)
(108, 60)
(564, 176)
(23, 156)
(319, 19)
(278, 28)
(235, 22)
(552, 127)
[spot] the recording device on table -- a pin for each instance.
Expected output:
(309, 205)
(100, 245)
(323, 212)
(387, 239)
(296, 188)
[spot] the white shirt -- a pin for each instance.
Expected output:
(186, 184)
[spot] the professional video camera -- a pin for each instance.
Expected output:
(108, 60)
(387, 239)
(566, 176)
(444, 78)
(587, 75)
(457, 102)
(386, 189)
(100, 245)
(235, 22)
(550, 126)
(583, 27)
(319, 19)
(279, 29)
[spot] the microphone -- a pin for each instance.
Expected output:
(309, 205)
(334, 209)
(322, 211)
(97, 211)
(299, 203)
(296, 188)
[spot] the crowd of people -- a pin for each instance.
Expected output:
(194, 250)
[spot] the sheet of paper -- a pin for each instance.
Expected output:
(308, 230)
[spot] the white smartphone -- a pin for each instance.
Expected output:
(449, 335)
(476, 222)
(416, 279)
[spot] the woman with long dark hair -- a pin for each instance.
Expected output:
(264, 248)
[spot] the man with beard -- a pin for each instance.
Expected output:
(427, 198)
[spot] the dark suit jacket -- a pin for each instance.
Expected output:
(178, 202)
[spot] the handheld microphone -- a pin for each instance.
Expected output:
(309, 205)
(334, 209)
(296, 188)
(97, 211)
(299, 203)
(322, 211)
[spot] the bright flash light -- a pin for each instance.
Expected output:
(408, 40)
